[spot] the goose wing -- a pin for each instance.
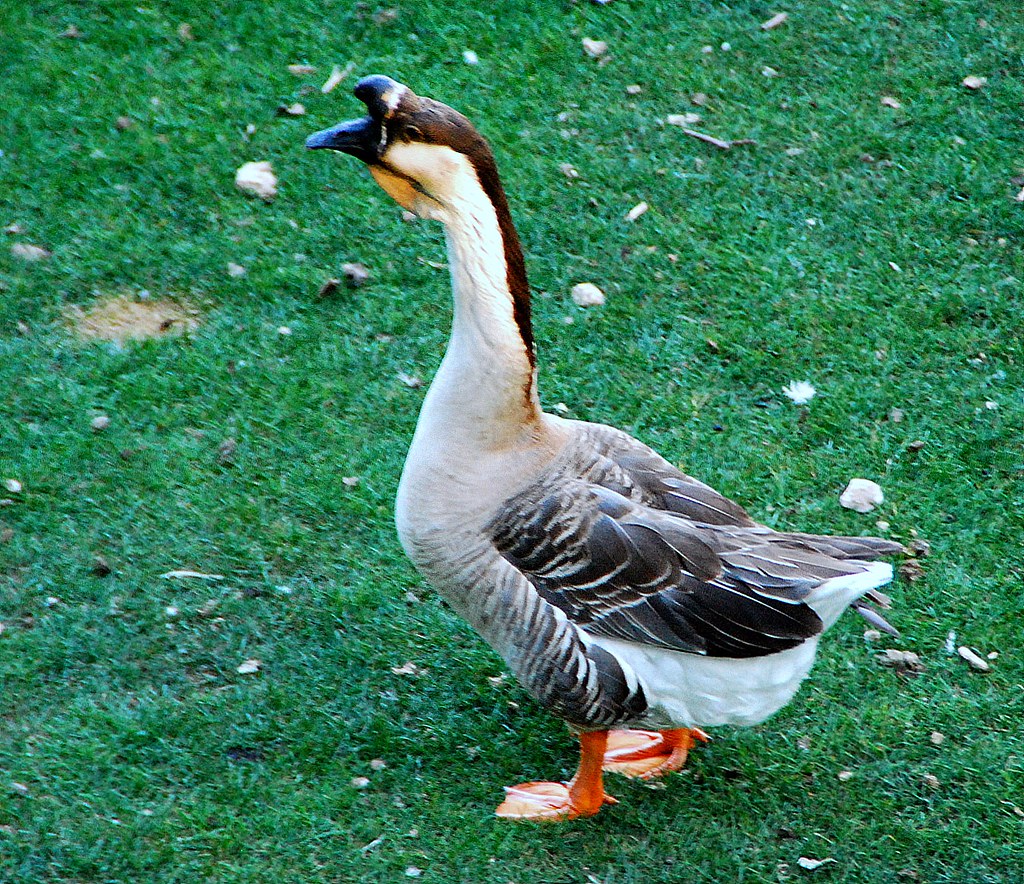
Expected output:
(622, 569)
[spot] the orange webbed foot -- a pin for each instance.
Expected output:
(584, 795)
(648, 754)
(545, 802)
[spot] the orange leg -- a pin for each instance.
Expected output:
(649, 754)
(583, 795)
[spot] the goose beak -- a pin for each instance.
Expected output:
(358, 138)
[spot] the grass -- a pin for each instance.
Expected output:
(139, 751)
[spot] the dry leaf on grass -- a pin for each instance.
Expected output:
(683, 120)
(355, 274)
(634, 89)
(774, 21)
(350, 481)
(13, 486)
(360, 782)
(901, 661)
(27, 252)
(257, 178)
(248, 667)
(974, 82)
(805, 862)
(235, 269)
(337, 75)
(226, 451)
(291, 110)
(100, 422)
(328, 288)
(973, 660)
(586, 294)
(410, 380)
(301, 70)
(594, 48)
(800, 392)
(470, 57)
(568, 170)
(889, 101)
(862, 496)
(409, 668)
(911, 570)
(637, 211)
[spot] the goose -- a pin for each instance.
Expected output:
(628, 598)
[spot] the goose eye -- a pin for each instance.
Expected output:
(412, 133)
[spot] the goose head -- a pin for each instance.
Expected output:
(425, 155)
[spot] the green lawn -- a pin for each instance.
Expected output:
(872, 250)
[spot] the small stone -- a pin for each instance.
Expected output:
(301, 70)
(845, 776)
(974, 82)
(248, 667)
(171, 611)
(291, 110)
(936, 738)
(470, 57)
(916, 445)
(350, 481)
(586, 294)
(13, 486)
(20, 789)
(872, 635)
(284, 330)
(862, 496)
(123, 123)
(257, 178)
(100, 423)
(568, 170)
(931, 781)
(594, 48)
(360, 782)
(633, 89)
(889, 101)
(413, 872)
(769, 72)
(378, 764)
(236, 270)
(28, 252)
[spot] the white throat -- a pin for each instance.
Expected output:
(483, 393)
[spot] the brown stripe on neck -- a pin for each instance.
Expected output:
(515, 265)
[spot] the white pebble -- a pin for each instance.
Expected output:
(862, 495)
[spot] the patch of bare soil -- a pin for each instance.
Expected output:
(121, 318)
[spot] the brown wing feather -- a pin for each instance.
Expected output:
(627, 571)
